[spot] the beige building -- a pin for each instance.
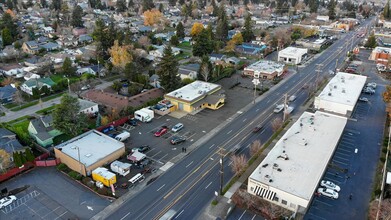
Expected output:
(265, 69)
(89, 151)
(197, 96)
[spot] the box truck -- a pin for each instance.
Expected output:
(104, 176)
(122, 169)
(144, 115)
(123, 136)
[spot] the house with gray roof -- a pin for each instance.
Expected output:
(189, 71)
(7, 94)
(88, 107)
(42, 131)
(8, 141)
(29, 85)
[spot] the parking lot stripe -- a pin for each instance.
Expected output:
(156, 153)
(189, 164)
(347, 155)
(61, 215)
(242, 215)
(211, 146)
(324, 203)
(229, 132)
(208, 185)
(339, 162)
(349, 151)
(316, 215)
(342, 158)
(164, 156)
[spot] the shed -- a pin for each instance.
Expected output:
(136, 156)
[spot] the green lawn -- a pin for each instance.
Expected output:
(10, 105)
(185, 45)
(46, 110)
(18, 120)
(58, 77)
(183, 55)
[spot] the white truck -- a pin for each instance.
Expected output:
(123, 136)
(122, 169)
(144, 115)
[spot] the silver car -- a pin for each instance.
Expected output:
(328, 193)
(177, 127)
(330, 185)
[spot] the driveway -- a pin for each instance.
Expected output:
(57, 195)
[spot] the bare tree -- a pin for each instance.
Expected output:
(385, 210)
(4, 160)
(18, 99)
(144, 41)
(7, 81)
(205, 72)
(255, 147)
(276, 124)
(239, 163)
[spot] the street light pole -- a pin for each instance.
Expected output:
(256, 82)
(222, 154)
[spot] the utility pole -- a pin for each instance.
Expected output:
(318, 70)
(255, 82)
(221, 152)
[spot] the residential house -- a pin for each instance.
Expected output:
(158, 53)
(42, 131)
(232, 60)
(214, 57)
(84, 39)
(165, 36)
(47, 31)
(29, 75)
(9, 70)
(10, 144)
(29, 85)
(78, 31)
(144, 29)
(94, 69)
(250, 49)
(31, 47)
(88, 107)
(50, 46)
(33, 61)
(189, 71)
(7, 94)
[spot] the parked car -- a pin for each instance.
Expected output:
(328, 193)
(330, 185)
(373, 85)
(142, 149)
(177, 127)
(161, 131)
(278, 108)
(142, 163)
(258, 128)
(177, 140)
(6, 201)
(350, 70)
(369, 91)
(363, 99)
(85, 87)
(133, 122)
(289, 109)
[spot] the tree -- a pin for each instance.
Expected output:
(222, 24)
(5, 159)
(10, 4)
(56, 5)
(255, 147)
(7, 21)
(7, 37)
(174, 40)
(98, 122)
(276, 124)
(121, 6)
(386, 11)
(331, 8)
(131, 71)
(172, 2)
(29, 155)
(239, 164)
(148, 5)
(66, 116)
(371, 42)
(247, 33)
(313, 4)
(180, 31)
(168, 71)
(130, 4)
(161, 7)
(117, 86)
(121, 55)
(77, 15)
(67, 68)
(205, 68)
(202, 45)
(17, 159)
(196, 29)
(236, 39)
(152, 17)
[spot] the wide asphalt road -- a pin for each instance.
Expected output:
(189, 185)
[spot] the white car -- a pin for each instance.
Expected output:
(6, 201)
(328, 193)
(289, 110)
(292, 98)
(330, 185)
(177, 127)
(278, 108)
(372, 84)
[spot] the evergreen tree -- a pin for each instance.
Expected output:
(44, 3)
(92, 3)
(172, 2)
(247, 33)
(331, 8)
(245, 2)
(67, 68)
(313, 4)
(161, 8)
(121, 5)
(174, 40)
(148, 5)
(215, 8)
(98, 122)
(56, 5)
(130, 4)
(209, 30)
(386, 12)
(8, 22)
(29, 155)
(23, 158)
(131, 71)
(371, 42)
(181, 2)
(293, 3)
(17, 159)
(202, 45)
(6, 36)
(77, 17)
(180, 31)
(222, 25)
(10, 4)
(168, 71)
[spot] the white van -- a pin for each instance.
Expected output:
(123, 136)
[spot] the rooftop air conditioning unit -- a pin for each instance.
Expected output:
(329, 94)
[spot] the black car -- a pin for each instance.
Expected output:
(141, 149)
(133, 122)
(177, 140)
(258, 128)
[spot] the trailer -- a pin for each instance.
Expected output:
(122, 169)
(144, 115)
(104, 176)
(123, 136)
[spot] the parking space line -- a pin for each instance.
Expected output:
(339, 162)
(211, 146)
(229, 132)
(342, 158)
(343, 153)
(189, 164)
(242, 215)
(316, 216)
(61, 215)
(163, 156)
(324, 203)
(349, 151)
(156, 153)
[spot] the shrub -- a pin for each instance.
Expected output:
(382, 159)
(90, 184)
(86, 180)
(377, 192)
(75, 175)
(103, 191)
(62, 167)
(214, 202)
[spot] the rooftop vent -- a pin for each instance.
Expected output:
(343, 91)
(265, 165)
(279, 170)
(329, 94)
(267, 176)
(275, 165)
(88, 155)
(335, 86)
(73, 147)
(270, 181)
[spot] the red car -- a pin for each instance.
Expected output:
(161, 131)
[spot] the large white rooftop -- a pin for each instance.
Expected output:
(299, 159)
(292, 52)
(193, 91)
(266, 66)
(91, 146)
(343, 88)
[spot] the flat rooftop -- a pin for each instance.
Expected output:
(299, 159)
(193, 91)
(293, 51)
(92, 146)
(382, 50)
(266, 66)
(343, 88)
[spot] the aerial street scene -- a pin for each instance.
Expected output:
(195, 109)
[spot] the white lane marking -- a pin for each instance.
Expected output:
(251, 123)
(253, 217)
(244, 119)
(125, 216)
(242, 215)
(212, 146)
(229, 132)
(189, 164)
(160, 187)
(268, 101)
(211, 158)
(230, 163)
(179, 214)
(257, 109)
(208, 185)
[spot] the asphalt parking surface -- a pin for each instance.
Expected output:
(240, 214)
(354, 162)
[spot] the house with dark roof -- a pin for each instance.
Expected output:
(84, 39)
(9, 144)
(7, 94)
(30, 47)
(28, 86)
(94, 69)
(213, 57)
(250, 49)
(42, 131)
(189, 71)
(11, 69)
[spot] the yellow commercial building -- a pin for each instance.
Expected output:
(197, 96)
(89, 151)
